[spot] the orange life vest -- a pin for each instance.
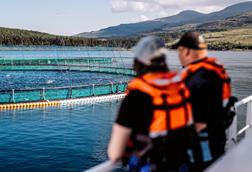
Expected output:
(214, 65)
(170, 97)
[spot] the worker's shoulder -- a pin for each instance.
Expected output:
(203, 70)
(209, 63)
(203, 77)
(137, 96)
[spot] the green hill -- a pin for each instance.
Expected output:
(19, 37)
(10, 36)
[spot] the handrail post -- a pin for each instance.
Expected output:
(88, 65)
(42, 94)
(13, 96)
(120, 84)
(249, 118)
(112, 85)
(69, 94)
(232, 134)
(117, 90)
(93, 90)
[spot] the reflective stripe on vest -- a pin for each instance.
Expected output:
(211, 64)
(170, 97)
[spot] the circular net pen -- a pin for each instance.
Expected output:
(19, 97)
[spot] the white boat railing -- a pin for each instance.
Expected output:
(238, 158)
(232, 135)
(247, 128)
(232, 132)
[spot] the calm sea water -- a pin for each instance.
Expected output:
(75, 138)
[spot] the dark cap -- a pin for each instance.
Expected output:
(193, 40)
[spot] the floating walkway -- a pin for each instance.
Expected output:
(59, 93)
(55, 96)
(59, 103)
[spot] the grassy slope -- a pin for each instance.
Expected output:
(231, 39)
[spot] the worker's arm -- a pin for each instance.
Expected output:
(135, 107)
(200, 126)
(118, 142)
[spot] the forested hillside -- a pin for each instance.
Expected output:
(10, 37)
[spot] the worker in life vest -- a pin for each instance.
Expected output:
(154, 128)
(210, 89)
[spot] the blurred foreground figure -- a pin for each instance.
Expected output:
(154, 128)
(211, 99)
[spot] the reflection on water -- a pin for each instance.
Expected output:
(75, 138)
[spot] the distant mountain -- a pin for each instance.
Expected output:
(123, 30)
(239, 21)
(232, 10)
(188, 18)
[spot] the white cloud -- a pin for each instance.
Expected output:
(143, 17)
(168, 7)
(139, 18)
(133, 5)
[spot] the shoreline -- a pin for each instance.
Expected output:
(94, 48)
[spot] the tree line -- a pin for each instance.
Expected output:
(19, 37)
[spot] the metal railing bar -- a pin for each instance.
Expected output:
(64, 87)
(243, 101)
(243, 129)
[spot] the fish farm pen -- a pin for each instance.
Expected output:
(16, 98)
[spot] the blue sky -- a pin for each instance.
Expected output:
(68, 17)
